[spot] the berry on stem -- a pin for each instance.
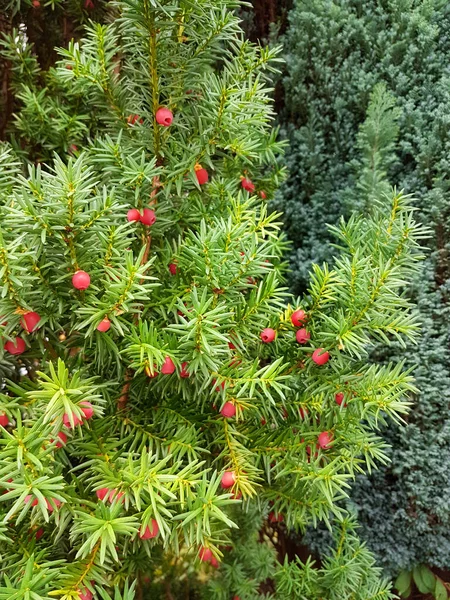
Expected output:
(150, 532)
(104, 325)
(173, 268)
(30, 321)
(268, 335)
(184, 374)
(262, 195)
(16, 347)
(148, 217)
(247, 184)
(87, 409)
(228, 479)
(298, 317)
(81, 280)
(339, 398)
(205, 554)
(320, 356)
(4, 421)
(201, 174)
(324, 439)
(62, 440)
(275, 517)
(103, 493)
(75, 420)
(85, 594)
(164, 116)
(228, 410)
(133, 215)
(302, 336)
(168, 366)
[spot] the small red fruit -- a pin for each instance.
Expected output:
(103, 493)
(55, 503)
(320, 356)
(164, 116)
(28, 498)
(76, 420)
(4, 421)
(85, 594)
(16, 347)
(36, 3)
(247, 184)
(62, 440)
(150, 533)
(205, 554)
(214, 562)
(268, 335)
(302, 336)
(184, 372)
(302, 412)
(88, 4)
(132, 119)
(149, 373)
(87, 409)
(30, 321)
(173, 268)
(262, 195)
(275, 517)
(201, 174)
(39, 533)
(228, 479)
(298, 318)
(73, 147)
(148, 217)
(324, 439)
(81, 280)
(339, 397)
(228, 410)
(168, 366)
(133, 215)
(231, 346)
(104, 325)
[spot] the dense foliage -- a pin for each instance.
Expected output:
(162, 399)
(404, 508)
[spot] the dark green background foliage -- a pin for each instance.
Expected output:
(404, 508)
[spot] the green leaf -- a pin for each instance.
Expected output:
(440, 591)
(403, 582)
(424, 579)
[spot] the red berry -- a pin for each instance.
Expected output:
(76, 420)
(302, 412)
(148, 217)
(30, 321)
(85, 594)
(228, 410)
(149, 373)
(39, 533)
(63, 440)
(324, 439)
(16, 347)
(298, 318)
(81, 280)
(164, 117)
(88, 4)
(262, 195)
(205, 554)
(231, 346)
(150, 533)
(247, 184)
(184, 372)
(339, 397)
(173, 268)
(104, 325)
(214, 562)
(86, 409)
(320, 356)
(55, 503)
(103, 493)
(133, 215)
(202, 175)
(302, 336)
(28, 498)
(275, 517)
(73, 147)
(36, 3)
(4, 420)
(268, 335)
(168, 367)
(228, 479)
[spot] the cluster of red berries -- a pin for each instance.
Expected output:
(30, 323)
(302, 335)
(249, 186)
(147, 217)
(206, 555)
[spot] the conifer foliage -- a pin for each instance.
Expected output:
(158, 392)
